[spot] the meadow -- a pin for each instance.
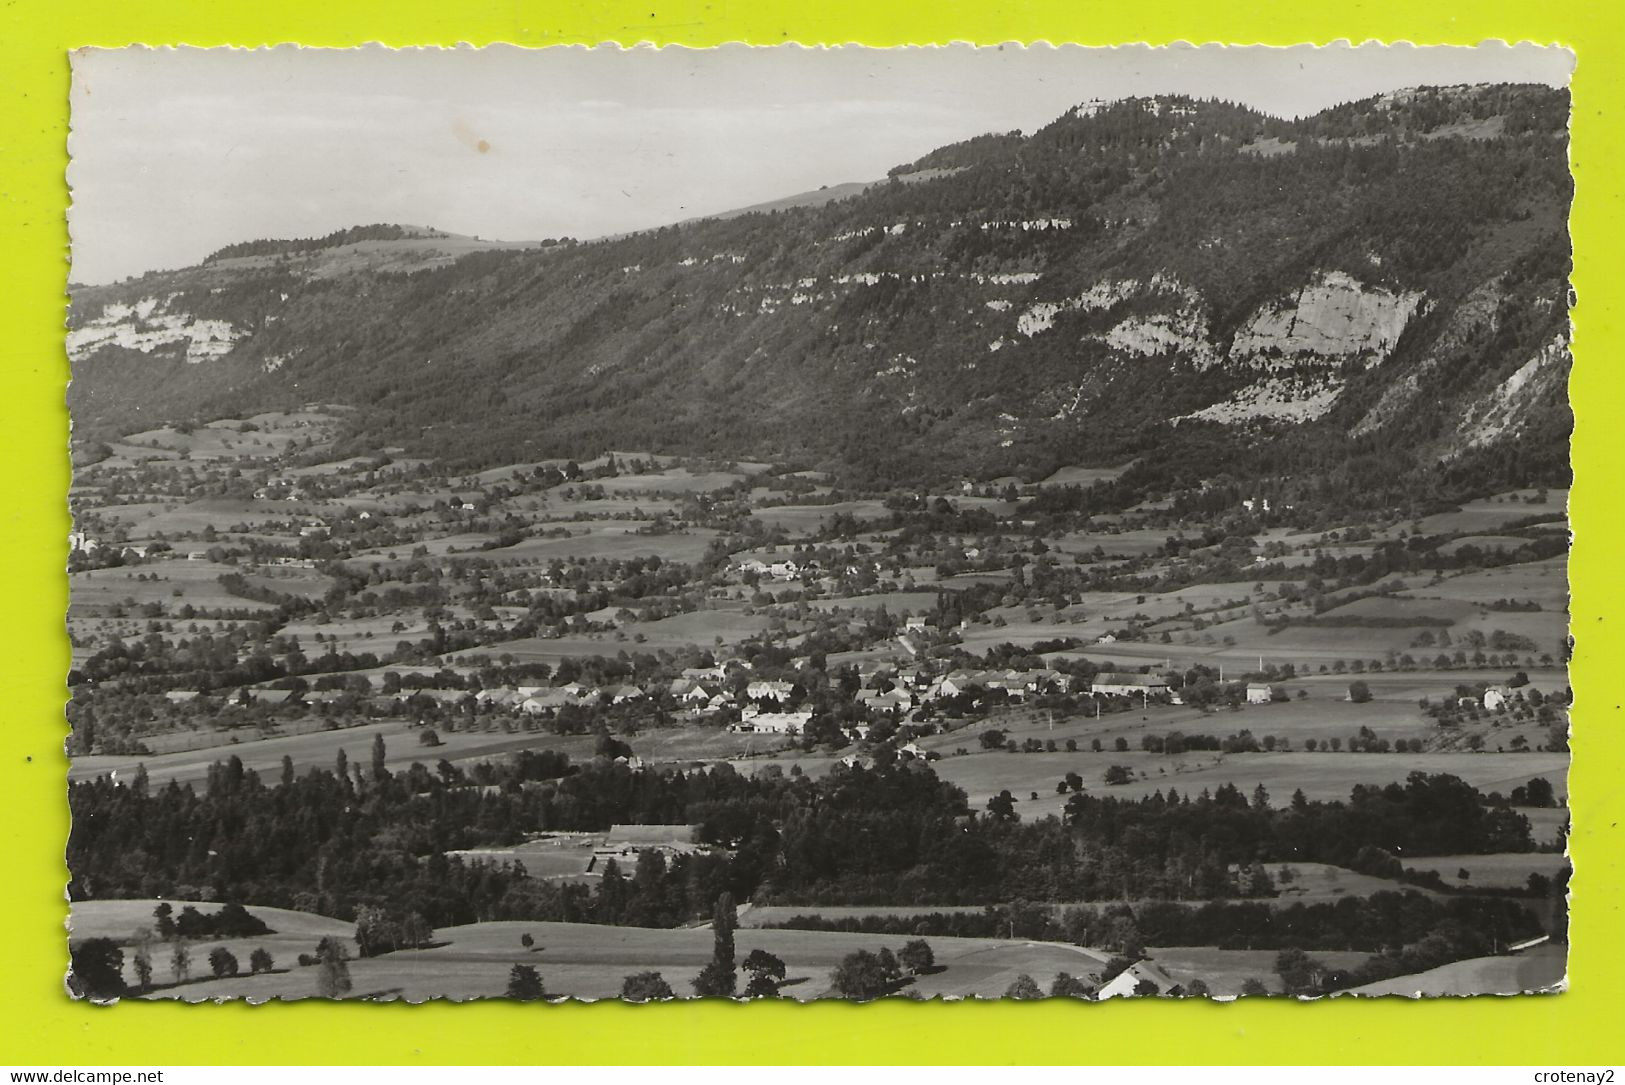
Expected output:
(589, 962)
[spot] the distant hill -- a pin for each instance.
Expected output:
(1369, 303)
(816, 198)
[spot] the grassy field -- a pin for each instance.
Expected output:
(805, 519)
(320, 749)
(94, 591)
(678, 480)
(895, 602)
(1084, 476)
(589, 962)
(293, 933)
(1539, 969)
(698, 629)
(1508, 871)
(1486, 515)
(1226, 970)
(1320, 776)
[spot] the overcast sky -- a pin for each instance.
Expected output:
(178, 152)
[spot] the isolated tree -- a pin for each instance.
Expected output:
(714, 981)
(222, 962)
(379, 772)
(260, 960)
(164, 914)
(861, 977)
(1024, 987)
(429, 737)
(333, 973)
(96, 969)
(525, 984)
(1197, 988)
(646, 987)
(1254, 986)
(527, 940)
(180, 961)
(1118, 774)
(719, 978)
(1067, 985)
(141, 957)
(766, 974)
(1359, 692)
(917, 957)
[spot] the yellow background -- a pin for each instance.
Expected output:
(39, 1026)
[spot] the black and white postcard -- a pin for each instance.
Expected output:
(1021, 522)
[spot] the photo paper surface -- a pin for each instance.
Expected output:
(954, 522)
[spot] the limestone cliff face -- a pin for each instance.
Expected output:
(151, 324)
(1500, 413)
(1333, 316)
(1474, 316)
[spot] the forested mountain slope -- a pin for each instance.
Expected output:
(1372, 300)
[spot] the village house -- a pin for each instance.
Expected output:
(1128, 685)
(1258, 693)
(545, 700)
(1496, 697)
(774, 723)
(892, 701)
(769, 691)
(622, 694)
(1128, 982)
(624, 843)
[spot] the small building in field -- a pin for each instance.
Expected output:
(1259, 693)
(1496, 697)
(1142, 978)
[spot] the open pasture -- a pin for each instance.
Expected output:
(1544, 582)
(1321, 776)
(555, 510)
(1540, 969)
(95, 591)
(896, 602)
(1073, 475)
(698, 629)
(560, 858)
(1506, 871)
(217, 441)
(590, 962)
(1508, 543)
(293, 933)
(806, 519)
(176, 518)
(1225, 971)
(307, 583)
(1132, 543)
(673, 480)
(1486, 515)
(376, 634)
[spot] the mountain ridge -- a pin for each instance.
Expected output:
(1385, 280)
